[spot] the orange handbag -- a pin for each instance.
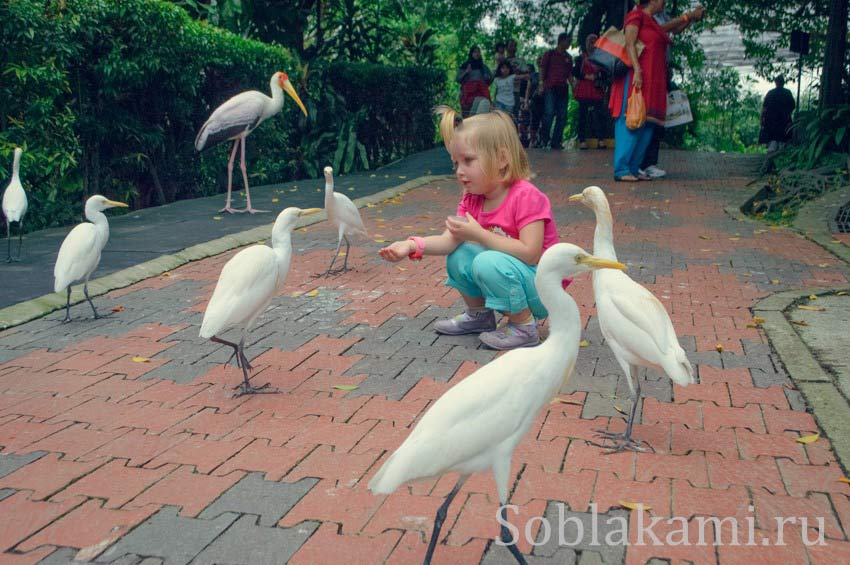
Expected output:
(635, 110)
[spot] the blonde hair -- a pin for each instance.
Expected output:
(492, 135)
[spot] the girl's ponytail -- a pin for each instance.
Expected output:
(449, 120)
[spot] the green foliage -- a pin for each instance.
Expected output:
(107, 97)
(822, 132)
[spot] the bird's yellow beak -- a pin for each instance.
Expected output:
(309, 211)
(115, 204)
(577, 197)
(599, 263)
(287, 87)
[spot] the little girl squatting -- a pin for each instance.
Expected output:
(503, 226)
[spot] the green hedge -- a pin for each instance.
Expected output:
(108, 95)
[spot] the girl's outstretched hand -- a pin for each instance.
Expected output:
(466, 229)
(397, 251)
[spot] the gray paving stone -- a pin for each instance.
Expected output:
(6, 492)
(168, 536)
(11, 463)
(499, 555)
(458, 354)
(245, 542)
(764, 379)
(437, 370)
(253, 495)
(62, 556)
(796, 400)
(565, 532)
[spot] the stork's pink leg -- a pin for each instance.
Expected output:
(245, 180)
(227, 207)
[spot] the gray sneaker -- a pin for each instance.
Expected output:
(511, 336)
(467, 323)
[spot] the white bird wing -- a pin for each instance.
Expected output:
(78, 256)
(346, 212)
(472, 418)
(14, 201)
(245, 287)
(238, 114)
(636, 304)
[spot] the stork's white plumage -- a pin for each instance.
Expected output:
(236, 119)
(247, 284)
(80, 253)
(633, 321)
(343, 214)
(477, 424)
(15, 205)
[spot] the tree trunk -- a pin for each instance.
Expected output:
(834, 58)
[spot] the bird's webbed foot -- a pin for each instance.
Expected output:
(243, 388)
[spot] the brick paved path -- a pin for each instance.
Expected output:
(121, 441)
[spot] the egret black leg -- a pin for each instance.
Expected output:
(93, 309)
(67, 317)
(232, 355)
(510, 543)
(336, 253)
(245, 387)
(441, 517)
(20, 237)
(624, 441)
(9, 242)
(347, 251)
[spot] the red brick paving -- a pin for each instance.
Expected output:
(134, 445)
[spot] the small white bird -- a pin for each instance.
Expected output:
(633, 322)
(344, 215)
(15, 205)
(477, 424)
(247, 284)
(237, 118)
(81, 249)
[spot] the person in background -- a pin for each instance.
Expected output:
(776, 113)
(592, 112)
(535, 105)
(504, 87)
(500, 54)
(649, 74)
(556, 70)
(525, 121)
(474, 78)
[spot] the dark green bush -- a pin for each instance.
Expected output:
(107, 97)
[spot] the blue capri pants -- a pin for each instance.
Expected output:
(505, 282)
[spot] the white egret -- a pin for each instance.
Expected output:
(237, 118)
(80, 253)
(342, 213)
(477, 424)
(15, 205)
(246, 286)
(634, 323)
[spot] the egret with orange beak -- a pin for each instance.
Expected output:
(80, 253)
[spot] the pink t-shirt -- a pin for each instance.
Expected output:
(523, 204)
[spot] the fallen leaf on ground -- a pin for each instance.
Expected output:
(401, 268)
(141, 360)
(584, 343)
(808, 439)
(380, 241)
(351, 189)
(313, 292)
(811, 308)
(758, 320)
(558, 400)
(704, 237)
(775, 281)
(734, 238)
(812, 297)
(216, 217)
(842, 293)
(718, 348)
(275, 200)
(346, 387)
(620, 410)
(799, 323)
(634, 505)
(118, 309)
(823, 265)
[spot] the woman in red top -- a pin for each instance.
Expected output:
(649, 73)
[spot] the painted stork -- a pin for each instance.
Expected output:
(236, 119)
